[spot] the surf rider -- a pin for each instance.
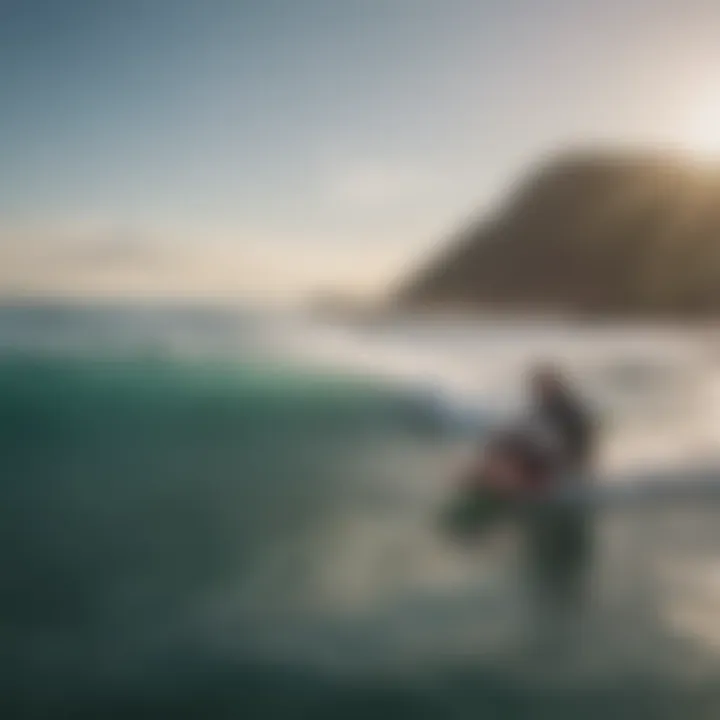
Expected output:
(559, 411)
(552, 445)
(559, 540)
(526, 462)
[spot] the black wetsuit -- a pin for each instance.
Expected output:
(560, 538)
(566, 416)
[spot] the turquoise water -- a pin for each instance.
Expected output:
(228, 534)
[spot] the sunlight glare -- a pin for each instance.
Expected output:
(703, 136)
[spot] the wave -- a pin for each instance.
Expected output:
(204, 532)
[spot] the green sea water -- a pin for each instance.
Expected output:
(222, 537)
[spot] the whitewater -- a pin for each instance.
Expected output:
(221, 511)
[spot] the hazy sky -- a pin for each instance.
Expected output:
(265, 148)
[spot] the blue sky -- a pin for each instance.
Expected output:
(269, 148)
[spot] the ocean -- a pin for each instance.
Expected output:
(230, 512)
